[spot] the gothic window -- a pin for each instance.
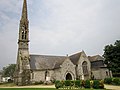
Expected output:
(85, 68)
(22, 34)
(32, 75)
(106, 73)
(25, 34)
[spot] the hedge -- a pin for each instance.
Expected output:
(113, 81)
(87, 84)
(97, 84)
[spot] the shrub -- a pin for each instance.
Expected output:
(101, 84)
(108, 80)
(71, 83)
(67, 83)
(87, 84)
(91, 83)
(96, 84)
(58, 84)
(83, 83)
(36, 83)
(116, 81)
(77, 83)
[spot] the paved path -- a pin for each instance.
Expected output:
(111, 87)
(31, 86)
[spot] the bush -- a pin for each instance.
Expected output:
(83, 83)
(116, 81)
(101, 84)
(108, 80)
(67, 83)
(72, 83)
(87, 84)
(96, 84)
(58, 84)
(37, 83)
(77, 83)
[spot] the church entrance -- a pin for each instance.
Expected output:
(68, 76)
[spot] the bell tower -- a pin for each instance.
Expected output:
(22, 72)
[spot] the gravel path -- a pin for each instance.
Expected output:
(31, 86)
(111, 87)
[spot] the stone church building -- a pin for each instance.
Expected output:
(35, 68)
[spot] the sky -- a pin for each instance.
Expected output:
(59, 27)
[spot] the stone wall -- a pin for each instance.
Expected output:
(101, 73)
(38, 76)
(80, 69)
(66, 67)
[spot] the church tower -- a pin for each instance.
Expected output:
(22, 73)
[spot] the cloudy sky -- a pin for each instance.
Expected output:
(59, 27)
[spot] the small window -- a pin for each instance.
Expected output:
(22, 34)
(106, 73)
(25, 34)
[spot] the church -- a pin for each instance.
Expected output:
(47, 68)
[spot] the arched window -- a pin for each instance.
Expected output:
(22, 34)
(106, 73)
(85, 68)
(47, 75)
(25, 34)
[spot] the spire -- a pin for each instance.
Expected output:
(24, 10)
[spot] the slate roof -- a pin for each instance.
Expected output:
(97, 61)
(95, 58)
(97, 64)
(75, 57)
(42, 62)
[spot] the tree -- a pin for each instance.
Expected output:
(8, 71)
(112, 56)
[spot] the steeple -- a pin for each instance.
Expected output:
(22, 72)
(24, 25)
(24, 10)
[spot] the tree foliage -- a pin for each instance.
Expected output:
(112, 56)
(8, 71)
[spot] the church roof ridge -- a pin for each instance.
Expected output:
(47, 55)
(75, 53)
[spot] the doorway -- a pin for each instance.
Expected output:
(68, 76)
